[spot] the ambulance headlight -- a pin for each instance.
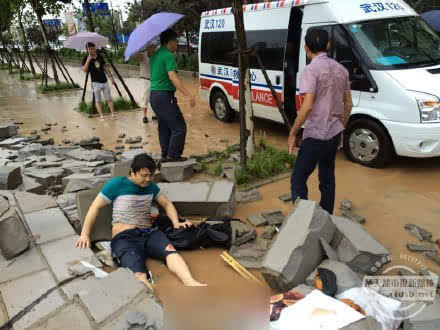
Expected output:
(429, 107)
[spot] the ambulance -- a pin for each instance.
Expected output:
(393, 57)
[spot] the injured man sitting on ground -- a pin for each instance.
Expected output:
(133, 238)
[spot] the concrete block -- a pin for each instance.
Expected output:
(120, 169)
(274, 217)
(248, 196)
(149, 308)
(62, 254)
(92, 155)
(257, 220)
(106, 296)
(66, 200)
(30, 185)
(33, 149)
(46, 176)
(26, 263)
(47, 225)
(304, 289)
(296, 250)
(251, 254)
(329, 251)
(71, 316)
(77, 185)
(178, 171)
(203, 198)
(102, 230)
(130, 154)
(14, 238)
(29, 202)
(357, 248)
(345, 278)
(90, 177)
(7, 131)
(10, 177)
(20, 293)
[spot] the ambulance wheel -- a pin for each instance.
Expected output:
(222, 109)
(367, 143)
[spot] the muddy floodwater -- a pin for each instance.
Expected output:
(408, 191)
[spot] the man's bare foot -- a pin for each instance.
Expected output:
(195, 283)
(113, 117)
(102, 118)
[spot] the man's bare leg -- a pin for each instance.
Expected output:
(142, 277)
(99, 108)
(178, 266)
(145, 119)
(112, 108)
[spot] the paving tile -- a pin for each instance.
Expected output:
(80, 285)
(48, 225)
(20, 293)
(3, 315)
(63, 254)
(105, 297)
(26, 263)
(32, 202)
(71, 317)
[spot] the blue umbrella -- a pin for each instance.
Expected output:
(149, 30)
(432, 18)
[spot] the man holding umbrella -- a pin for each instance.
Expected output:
(164, 82)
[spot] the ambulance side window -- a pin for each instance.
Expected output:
(218, 48)
(270, 45)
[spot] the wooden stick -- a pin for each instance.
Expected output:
(238, 267)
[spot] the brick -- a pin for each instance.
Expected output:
(149, 307)
(30, 185)
(107, 296)
(66, 318)
(10, 177)
(7, 131)
(204, 198)
(20, 293)
(14, 238)
(102, 230)
(345, 278)
(47, 225)
(357, 248)
(178, 171)
(296, 251)
(29, 202)
(26, 263)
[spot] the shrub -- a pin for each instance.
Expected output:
(57, 87)
(120, 104)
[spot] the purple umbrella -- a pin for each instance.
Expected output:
(149, 30)
(79, 41)
(433, 18)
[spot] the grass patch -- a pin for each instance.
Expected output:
(120, 104)
(4, 66)
(57, 87)
(28, 76)
(266, 162)
(14, 71)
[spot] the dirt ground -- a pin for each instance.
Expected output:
(406, 192)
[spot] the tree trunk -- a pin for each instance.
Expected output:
(25, 45)
(90, 24)
(188, 46)
(245, 98)
(115, 35)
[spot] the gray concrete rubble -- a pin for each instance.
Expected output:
(251, 254)
(424, 234)
(90, 177)
(178, 171)
(106, 258)
(46, 176)
(427, 319)
(345, 278)
(130, 154)
(434, 256)
(353, 216)
(421, 248)
(328, 250)
(243, 239)
(346, 205)
(269, 233)
(92, 155)
(357, 248)
(257, 220)
(102, 230)
(296, 251)
(7, 131)
(30, 185)
(213, 198)
(29, 202)
(120, 169)
(134, 140)
(10, 177)
(77, 185)
(241, 233)
(228, 171)
(286, 197)
(14, 238)
(274, 217)
(248, 196)
(430, 273)
(33, 149)
(368, 323)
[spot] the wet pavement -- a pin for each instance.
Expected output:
(406, 192)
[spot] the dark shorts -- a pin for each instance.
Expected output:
(132, 248)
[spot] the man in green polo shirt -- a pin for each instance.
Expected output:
(164, 82)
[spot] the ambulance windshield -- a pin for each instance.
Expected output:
(405, 42)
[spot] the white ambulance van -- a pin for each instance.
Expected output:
(393, 57)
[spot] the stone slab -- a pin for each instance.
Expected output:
(329, 251)
(108, 295)
(12, 141)
(45, 176)
(421, 248)
(66, 200)
(251, 254)
(120, 169)
(71, 316)
(296, 251)
(257, 220)
(14, 238)
(20, 293)
(130, 154)
(149, 307)
(368, 323)
(48, 225)
(358, 248)
(202, 198)
(7, 131)
(33, 149)
(248, 196)
(62, 254)
(345, 278)
(92, 179)
(274, 217)
(178, 171)
(26, 263)
(29, 202)
(353, 216)
(77, 185)
(102, 230)
(79, 285)
(30, 185)
(10, 177)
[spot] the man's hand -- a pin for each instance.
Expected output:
(89, 58)
(192, 101)
(341, 142)
(292, 145)
(113, 82)
(83, 242)
(185, 224)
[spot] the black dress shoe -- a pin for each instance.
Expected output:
(174, 160)
(145, 120)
